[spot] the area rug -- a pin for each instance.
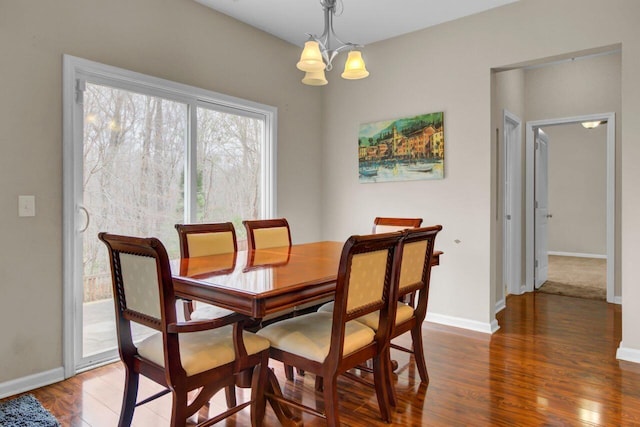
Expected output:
(576, 277)
(25, 411)
(588, 292)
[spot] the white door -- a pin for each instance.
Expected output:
(512, 274)
(541, 207)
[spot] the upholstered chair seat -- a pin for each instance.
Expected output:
(202, 351)
(309, 335)
(403, 313)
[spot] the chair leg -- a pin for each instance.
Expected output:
(129, 397)
(230, 393)
(330, 394)
(179, 408)
(319, 383)
(418, 353)
(187, 307)
(388, 378)
(381, 378)
(288, 372)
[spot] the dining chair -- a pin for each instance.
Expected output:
(200, 357)
(386, 225)
(274, 233)
(267, 233)
(203, 240)
(206, 239)
(414, 276)
(328, 344)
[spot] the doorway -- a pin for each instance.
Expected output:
(535, 240)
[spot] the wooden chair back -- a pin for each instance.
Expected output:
(365, 284)
(267, 233)
(386, 225)
(142, 291)
(206, 239)
(415, 268)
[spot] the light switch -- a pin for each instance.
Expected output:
(26, 205)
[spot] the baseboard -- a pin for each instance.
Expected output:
(617, 300)
(501, 305)
(459, 322)
(628, 354)
(578, 255)
(30, 382)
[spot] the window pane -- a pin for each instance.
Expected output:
(229, 154)
(133, 182)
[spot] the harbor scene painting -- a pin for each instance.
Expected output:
(405, 149)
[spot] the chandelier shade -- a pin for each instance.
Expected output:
(354, 68)
(311, 58)
(592, 125)
(315, 78)
(318, 53)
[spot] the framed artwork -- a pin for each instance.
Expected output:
(405, 149)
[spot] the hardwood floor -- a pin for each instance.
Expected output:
(551, 363)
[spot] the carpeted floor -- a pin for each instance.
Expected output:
(25, 411)
(577, 277)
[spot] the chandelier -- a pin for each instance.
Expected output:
(318, 53)
(592, 125)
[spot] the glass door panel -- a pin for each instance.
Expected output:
(133, 184)
(229, 172)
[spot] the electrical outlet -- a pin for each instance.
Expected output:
(26, 205)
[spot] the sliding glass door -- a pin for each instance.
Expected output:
(133, 178)
(146, 154)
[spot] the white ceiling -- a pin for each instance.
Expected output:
(362, 21)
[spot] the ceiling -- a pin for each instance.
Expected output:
(361, 21)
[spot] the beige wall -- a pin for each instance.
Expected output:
(448, 68)
(179, 40)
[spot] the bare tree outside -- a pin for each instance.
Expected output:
(134, 168)
(229, 151)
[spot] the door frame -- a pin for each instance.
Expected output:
(611, 194)
(512, 271)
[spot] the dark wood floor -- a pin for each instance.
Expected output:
(551, 363)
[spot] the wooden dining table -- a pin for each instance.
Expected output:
(264, 281)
